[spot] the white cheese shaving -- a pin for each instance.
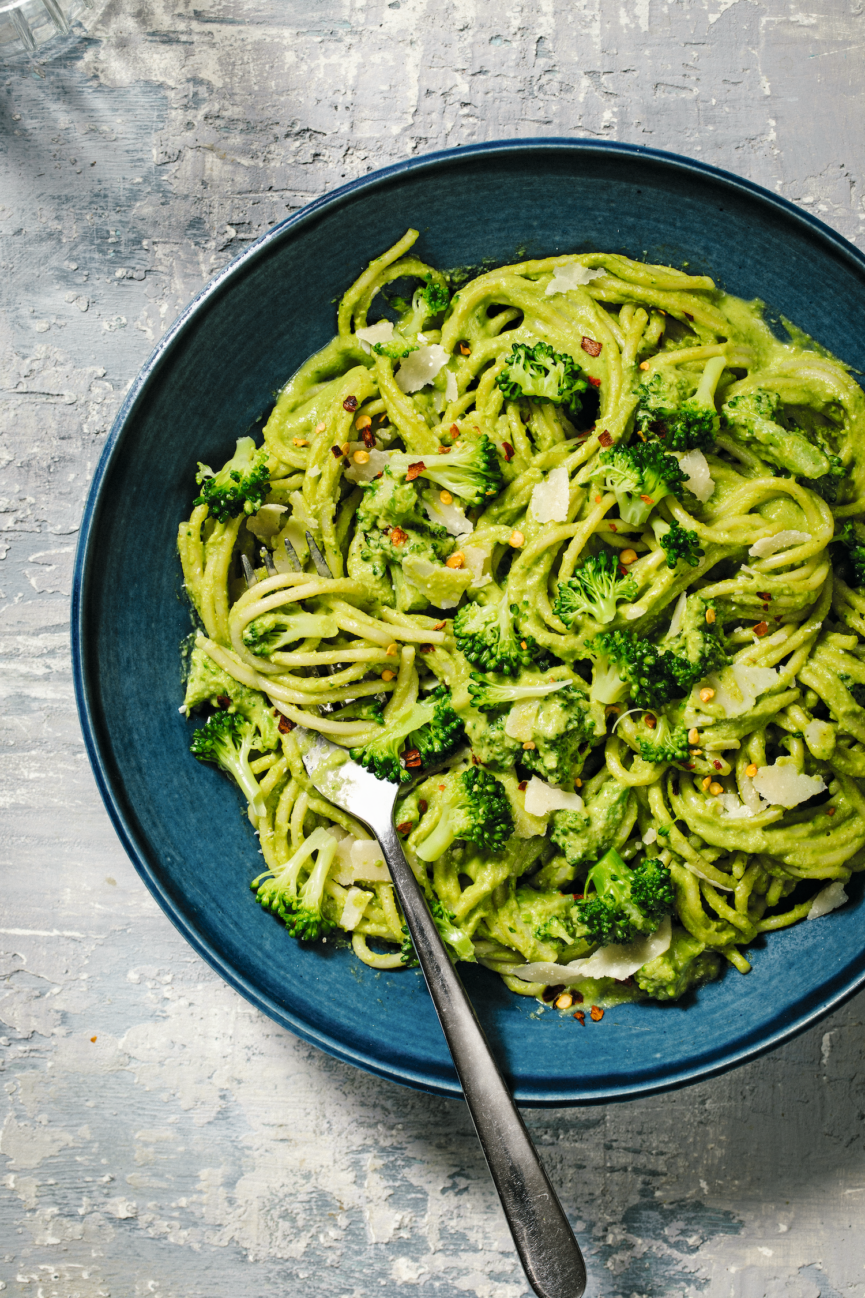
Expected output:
(784, 786)
(520, 721)
(451, 389)
(475, 559)
(451, 516)
(421, 367)
(827, 899)
(780, 541)
(550, 498)
(678, 615)
(542, 799)
(570, 277)
(633, 611)
(650, 836)
(695, 466)
(371, 468)
(367, 862)
(428, 577)
(734, 809)
(356, 902)
(372, 334)
(820, 738)
(266, 521)
(617, 962)
(739, 686)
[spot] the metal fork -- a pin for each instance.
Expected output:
(543, 1237)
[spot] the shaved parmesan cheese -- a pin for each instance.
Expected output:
(739, 686)
(451, 389)
(566, 278)
(520, 722)
(377, 333)
(475, 558)
(780, 541)
(734, 809)
(266, 521)
(444, 587)
(356, 902)
(370, 468)
(609, 962)
(542, 799)
(820, 738)
(783, 786)
(633, 611)
(827, 899)
(678, 615)
(650, 836)
(695, 466)
(451, 516)
(550, 498)
(367, 861)
(421, 367)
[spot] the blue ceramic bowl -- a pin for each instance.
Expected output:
(212, 377)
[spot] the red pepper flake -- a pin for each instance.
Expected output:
(415, 470)
(376, 478)
(613, 527)
(605, 439)
(475, 761)
(764, 594)
(398, 536)
(444, 450)
(647, 500)
(690, 766)
(761, 628)
(336, 452)
(550, 993)
(623, 571)
(578, 997)
(597, 1013)
(439, 626)
(350, 403)
(687, 315)
(580, 1016)
(596, 383)
(523, 785)
(422, 806)
(368, 438)
(591, 347)
(427, 648)
(223, 700)
(454, 430)
(830, 811)
(509, 451)
(464, 348)
(717, 765)
(285, 726)
(579, 896)
(405, 827)
(411, 757)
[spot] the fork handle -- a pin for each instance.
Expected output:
(543, 1237)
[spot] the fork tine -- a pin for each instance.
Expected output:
(292, 555)
(248, 572)
(317, 557)
(268, 561)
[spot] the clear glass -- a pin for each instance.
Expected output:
(38, 29)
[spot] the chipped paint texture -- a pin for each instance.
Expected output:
(158, 1135)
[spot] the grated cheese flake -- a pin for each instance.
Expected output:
(542, 799)
(420, 367)
(695, 466)
(451, 389)
(616, 961)
(784, 786)
(567, 278)
(368, 469)
(372, 334)
(827, 899)
(450, 516)
(550, 498)
(266, 521)
(780, 541)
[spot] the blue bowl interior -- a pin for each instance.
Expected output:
(216, 375)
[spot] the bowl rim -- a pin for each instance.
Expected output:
(84, 565)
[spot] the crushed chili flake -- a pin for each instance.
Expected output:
(398, 536)
(509, 451)
(578, 997)
(336, 452)
(368, 438)
(687, 315)
(285, 726)
(597, 1013)
(412, 757)
(717, 765)
(376, 478)
(580, 1016)
(350, 403)
(475, 761)
(591, 347)
(613, 527)
(454, 430)
(415, 470)
(647, 500)
(550, 993)
(761, 628)
(523, 785)
(405, 827)
(439, 626)
(596, 383)
(422, 806)
(830, 811)
(444, 450)
(605, 439)
(763, 594)
(427, 648)
(223, 700)
(464, 348)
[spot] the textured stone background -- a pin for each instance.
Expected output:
(193, 1150)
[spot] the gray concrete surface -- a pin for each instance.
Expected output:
(159, 1136)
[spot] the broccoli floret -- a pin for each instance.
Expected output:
(456, 939)
(301, 907)
(681, 423)
(758, 417)
(390, 500)
(680, 544)
(474, 806)
(595, 589)
(848, 537)
(665, 742)
(487, 695)
(272, 631)
(621, 902)
(227, 739)
(640, 475)
(392, 545)
(429, 730)
(485, 634)
(585, 835)
(544, 374)
(397, 347)
(436, 297)
(696, 650)
(208, 683)
(625, 663)
(363, 710)
(430, 299)
(240, 486)
(686, 963)
(469, 469)
(562, 731)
